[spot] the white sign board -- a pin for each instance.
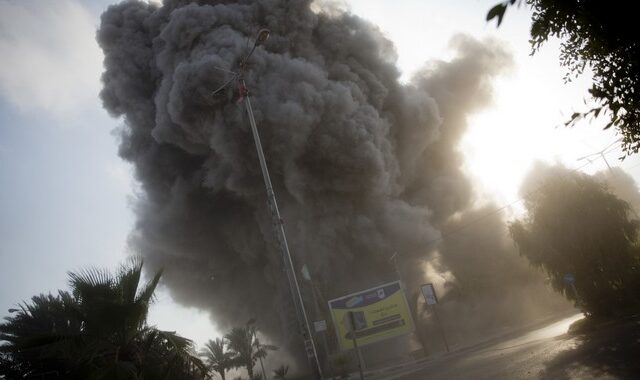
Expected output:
(320, 325)
(429, 294)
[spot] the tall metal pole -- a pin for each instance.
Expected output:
(315, 290)
(282, 241)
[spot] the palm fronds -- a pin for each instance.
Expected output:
(97, 331)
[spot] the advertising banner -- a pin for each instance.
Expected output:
(379, 313)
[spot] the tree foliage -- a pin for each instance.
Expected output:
(600, 35)
(280, 373)
(246, 347)
(96, 331)
(217, 357)
(574, 224)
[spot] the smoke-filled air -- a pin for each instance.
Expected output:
(319, 189)
(364, 164)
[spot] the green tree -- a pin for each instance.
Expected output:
(600, 35)
(280, 373)
(217, 357)
(98, 331)
(246, 346)
(574, 224)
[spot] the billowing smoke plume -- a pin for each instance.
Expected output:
(493, 288)
(363, 165)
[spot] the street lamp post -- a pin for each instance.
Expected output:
(276, 219)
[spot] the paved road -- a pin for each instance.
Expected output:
(545, 353)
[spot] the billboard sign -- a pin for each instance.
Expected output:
(379, 313)
(429, 294)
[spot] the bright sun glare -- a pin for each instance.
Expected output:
(522, 127)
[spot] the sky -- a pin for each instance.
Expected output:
(66, 197)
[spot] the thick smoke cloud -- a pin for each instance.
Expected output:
(363, 165)
(494, 288)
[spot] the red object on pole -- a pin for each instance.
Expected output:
(242, 91)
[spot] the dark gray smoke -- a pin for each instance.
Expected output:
(363, 165)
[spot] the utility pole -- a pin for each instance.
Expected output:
(276, 219)
(315, 292)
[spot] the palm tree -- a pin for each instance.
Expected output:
(217, 357)
(114, 311)
(244, 343)
(31, 335)
(261, 352)
(281, 372)
(98, 331)
(240, 342)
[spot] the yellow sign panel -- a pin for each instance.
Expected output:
(379, 313)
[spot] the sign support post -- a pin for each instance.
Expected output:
(444, 338)
(430, 298)
(352, 323)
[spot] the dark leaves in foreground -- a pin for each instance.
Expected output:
(97, 331)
